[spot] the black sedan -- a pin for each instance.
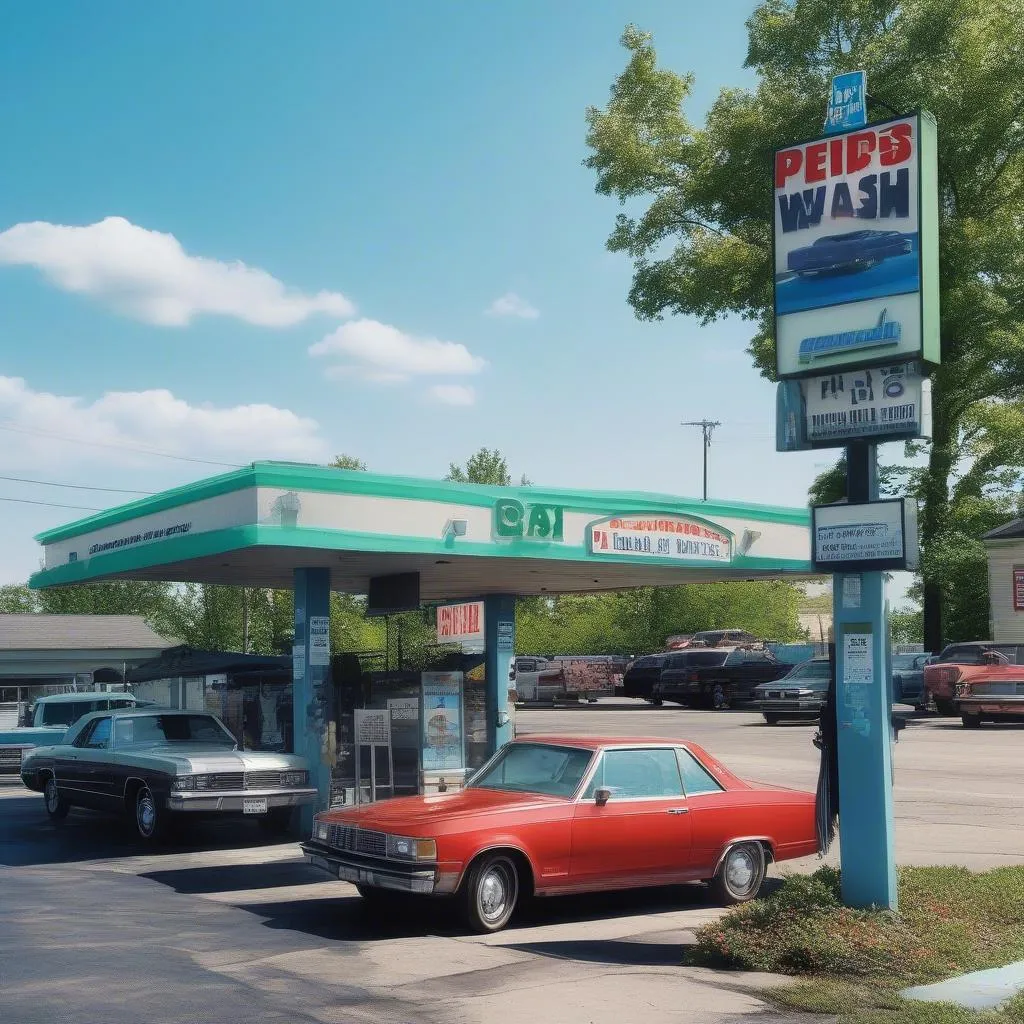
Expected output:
(155, 765)
(798, 695)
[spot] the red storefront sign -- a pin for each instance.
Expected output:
(1018, 590)
(460, 623)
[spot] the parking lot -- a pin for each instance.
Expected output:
(226, 926)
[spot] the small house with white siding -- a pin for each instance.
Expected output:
(1005, 549)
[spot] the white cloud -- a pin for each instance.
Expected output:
(148, 275)
(511, 304)
(453, 394)
(381, 352)
(108, 428)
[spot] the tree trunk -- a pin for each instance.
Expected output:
(934, 518)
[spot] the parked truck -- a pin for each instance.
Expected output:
(567, 677)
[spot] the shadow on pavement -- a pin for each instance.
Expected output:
(28, 837)
(609, 951)
(351, 918)
(237, 877)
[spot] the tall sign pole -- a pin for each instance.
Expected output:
(857, 329)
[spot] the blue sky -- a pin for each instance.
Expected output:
(424, 264)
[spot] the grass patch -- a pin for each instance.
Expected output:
(854, 962)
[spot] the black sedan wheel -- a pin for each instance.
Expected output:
(150, 819)
(56, 806)
(771, 718)
(490, 893)
(741, 873)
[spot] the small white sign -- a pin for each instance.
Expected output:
(299, 661)
(372, 726)
(404, 709)
(858, 668)
(859, 538)
(319, 640)
(851, 591)
(460, 623)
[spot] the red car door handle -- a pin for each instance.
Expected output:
(679, 810)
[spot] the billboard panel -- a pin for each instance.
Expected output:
(874, 404)
(856, 248)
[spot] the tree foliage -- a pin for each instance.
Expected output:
(347, 462)
(702, 245)
(639, 621)
(16, 598)
(482, 467)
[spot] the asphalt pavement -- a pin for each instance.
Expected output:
(226, 926)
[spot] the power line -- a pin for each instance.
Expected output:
(53, 504)
(73, 487)
(117, 447)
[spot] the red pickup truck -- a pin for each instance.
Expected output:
(977, 680)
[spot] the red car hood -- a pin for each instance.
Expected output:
(407, 813)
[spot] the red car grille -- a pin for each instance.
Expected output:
(357, 840)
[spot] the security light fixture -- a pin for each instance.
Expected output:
(456, 528)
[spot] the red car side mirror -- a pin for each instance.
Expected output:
(602, 796)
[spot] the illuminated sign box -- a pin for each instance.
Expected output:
(868, 537)
(856, 249)
(875, 404)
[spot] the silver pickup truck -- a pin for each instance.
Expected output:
(50, 717)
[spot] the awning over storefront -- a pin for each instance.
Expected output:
(255, 526)
(189, 661)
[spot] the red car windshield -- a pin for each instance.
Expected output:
(536, 768)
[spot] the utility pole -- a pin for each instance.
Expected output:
(707, 426)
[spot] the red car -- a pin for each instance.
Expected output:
(966, 663)
(567, 814)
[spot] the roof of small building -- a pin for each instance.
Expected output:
(37, 632)
(1008, 531)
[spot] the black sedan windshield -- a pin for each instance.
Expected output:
(536, 768)
(159, 730)
(810, 672)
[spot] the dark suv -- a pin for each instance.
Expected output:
(716, 677)
(641, 676)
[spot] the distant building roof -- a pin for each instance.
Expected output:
(77, 633)
(1008, 531)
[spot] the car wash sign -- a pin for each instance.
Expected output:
(856, 249)
(674, 538)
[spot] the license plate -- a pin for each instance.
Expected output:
(357, 875)
(254, 805)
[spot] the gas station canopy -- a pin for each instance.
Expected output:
(255, 526)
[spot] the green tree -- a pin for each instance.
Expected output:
(16, 598)
(906, 626)
(483, 467)
(347, 462)
(639, 621)
(154, 601)
(702, 244)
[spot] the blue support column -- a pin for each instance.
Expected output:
(500, 639)
(864, 715)
(311, 666)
